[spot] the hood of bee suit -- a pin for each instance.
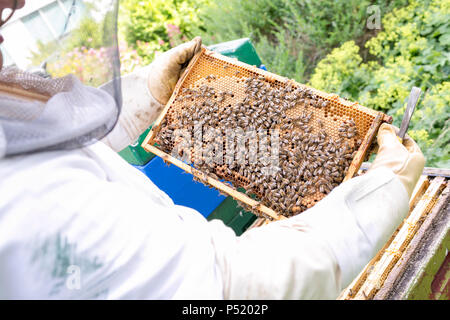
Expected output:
(68, 70)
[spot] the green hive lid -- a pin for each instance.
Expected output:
(232, 215)
(241, 49)
(135, 154)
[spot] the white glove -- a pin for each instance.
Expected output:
(405, 160)
(165, 71)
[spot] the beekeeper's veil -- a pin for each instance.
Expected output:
(56, 54)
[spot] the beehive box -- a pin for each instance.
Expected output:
(414, 262)
(236, 127)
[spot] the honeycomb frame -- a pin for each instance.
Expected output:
(229, 75)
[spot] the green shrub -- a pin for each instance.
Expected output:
(342, 72)
(286, 58)
(291, 36)
(225, 20)
(162, 22)
(412, 50)
(326, 43)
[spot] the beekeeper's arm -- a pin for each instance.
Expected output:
(316, 254)
(146, 91)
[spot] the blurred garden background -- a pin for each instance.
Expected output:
(331, 45)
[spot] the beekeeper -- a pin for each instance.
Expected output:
(78, 222)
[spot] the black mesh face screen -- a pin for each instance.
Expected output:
(70, 50)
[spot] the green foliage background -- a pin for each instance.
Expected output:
(411, 50)
(327, 45)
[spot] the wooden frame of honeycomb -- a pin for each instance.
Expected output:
(216, 85)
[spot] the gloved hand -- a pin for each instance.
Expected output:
(405, 160)
(165, 71)
(146, 91)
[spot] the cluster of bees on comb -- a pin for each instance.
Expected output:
(312, 162)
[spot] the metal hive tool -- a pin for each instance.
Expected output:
(323, 138)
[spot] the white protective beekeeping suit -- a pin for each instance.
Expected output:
(84, 224)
